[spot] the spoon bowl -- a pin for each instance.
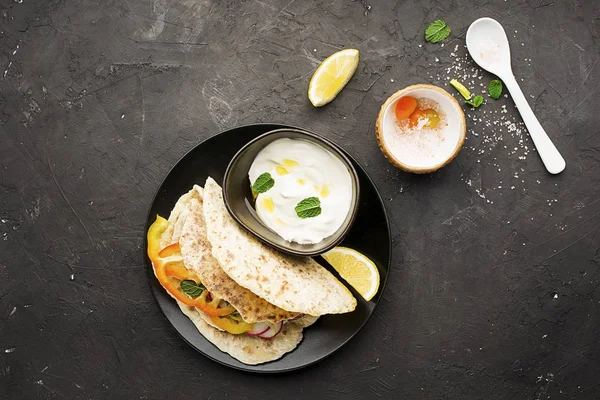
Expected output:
(488, 46)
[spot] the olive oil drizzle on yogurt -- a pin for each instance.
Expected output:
(301, 170)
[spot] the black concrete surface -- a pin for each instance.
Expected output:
(494, 290)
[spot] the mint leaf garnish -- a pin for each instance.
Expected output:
(476, 102)
(309, 207)
(437, 31)
(263, 183)
(495, 89)
(190, 288)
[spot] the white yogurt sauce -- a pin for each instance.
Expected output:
(302, 169)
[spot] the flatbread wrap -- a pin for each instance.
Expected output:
(254, 331)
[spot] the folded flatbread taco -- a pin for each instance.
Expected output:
(246, 326)
(197, 256)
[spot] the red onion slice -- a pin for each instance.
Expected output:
(258, 329)
(272, 331)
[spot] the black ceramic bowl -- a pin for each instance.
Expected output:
(238, 194)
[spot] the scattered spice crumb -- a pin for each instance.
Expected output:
(487, 135)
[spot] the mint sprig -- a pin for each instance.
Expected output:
(309, 207)
(190, 288)
(475, 102)
(263, 183)
(495, 89)
(437, 31)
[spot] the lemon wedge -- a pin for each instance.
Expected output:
(356, 269)
(331, 76)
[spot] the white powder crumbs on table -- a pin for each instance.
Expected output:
(489, 129)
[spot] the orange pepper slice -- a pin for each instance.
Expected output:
(172, 249)
(170, 271)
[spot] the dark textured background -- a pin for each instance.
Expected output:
(494, 292)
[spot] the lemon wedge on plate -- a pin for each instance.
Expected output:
(356, 269)
(331, 76)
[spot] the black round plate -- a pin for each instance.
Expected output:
(370, 235)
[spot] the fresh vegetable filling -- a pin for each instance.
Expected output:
(186, 287)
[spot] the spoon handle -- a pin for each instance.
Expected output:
(551, 158)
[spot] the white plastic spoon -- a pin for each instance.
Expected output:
(488, 45)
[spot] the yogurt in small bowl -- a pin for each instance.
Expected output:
(294, 190)
(310, 190)
(426, 139)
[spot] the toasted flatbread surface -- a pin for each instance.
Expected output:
(197, 256)
(292, 283)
